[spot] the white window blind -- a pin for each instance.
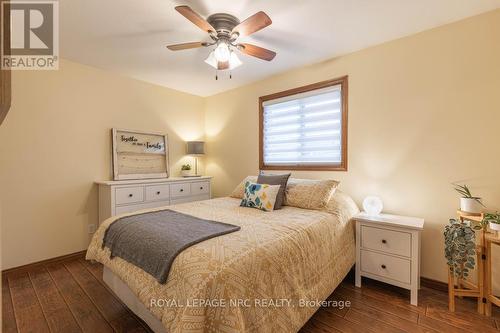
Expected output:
(304, 129)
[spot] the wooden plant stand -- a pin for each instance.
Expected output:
(462, 287)
(491, 238)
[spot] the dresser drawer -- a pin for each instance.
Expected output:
(188, 199)
(180, 190)
(386, 266)
(157, 192)
(394, 242)
(200, 188)
(126, 195)
(145, 205)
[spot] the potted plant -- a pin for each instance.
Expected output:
(186, 170)
(468, 202)
(460, 248)
(493, 220)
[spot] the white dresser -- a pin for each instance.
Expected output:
(124, 196)
(388, 250)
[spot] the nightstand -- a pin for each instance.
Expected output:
(388, 250)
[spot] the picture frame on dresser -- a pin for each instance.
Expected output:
(139, 154)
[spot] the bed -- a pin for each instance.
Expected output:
(266, 277)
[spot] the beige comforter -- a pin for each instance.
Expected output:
(277, 258)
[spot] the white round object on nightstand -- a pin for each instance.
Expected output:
(373, 205)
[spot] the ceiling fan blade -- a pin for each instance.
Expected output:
(194, 17)
(257, 51)
(185, 46)
(252, 24)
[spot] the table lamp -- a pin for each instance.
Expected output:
(373, 205)
(196, 149)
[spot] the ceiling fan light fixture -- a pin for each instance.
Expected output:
(211, 60)
(222, 52)
(234, 61)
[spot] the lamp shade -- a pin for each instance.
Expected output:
(195, 148)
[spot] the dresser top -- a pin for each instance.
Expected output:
(153, 180)
(392, 220)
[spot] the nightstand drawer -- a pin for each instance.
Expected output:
(394, 242)
(126, 195)
(386, 266)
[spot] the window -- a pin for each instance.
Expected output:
(305, 128)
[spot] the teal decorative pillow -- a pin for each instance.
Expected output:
(261, 196)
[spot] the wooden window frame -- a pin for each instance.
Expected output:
(342, 166)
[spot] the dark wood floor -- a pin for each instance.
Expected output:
(70, 296)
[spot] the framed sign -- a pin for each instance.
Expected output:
(139, 155)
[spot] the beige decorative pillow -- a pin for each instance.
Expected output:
(342, 205)
(308, 193)
(239, 191)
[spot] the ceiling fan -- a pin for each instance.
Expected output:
(224, 30)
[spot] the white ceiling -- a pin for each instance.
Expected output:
(129, 36)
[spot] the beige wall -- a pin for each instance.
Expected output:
(424, 111)
(55, 142)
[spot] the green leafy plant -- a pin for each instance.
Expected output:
(464, 191)
(186, 167)
(491, 218)
(460, 248)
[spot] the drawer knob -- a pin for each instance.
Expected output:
(201, 187)
(182, 190)
(130, 195)
(383, 266)
(158, 193)
(384, 241)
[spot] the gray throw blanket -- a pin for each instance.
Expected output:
(151, 241)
